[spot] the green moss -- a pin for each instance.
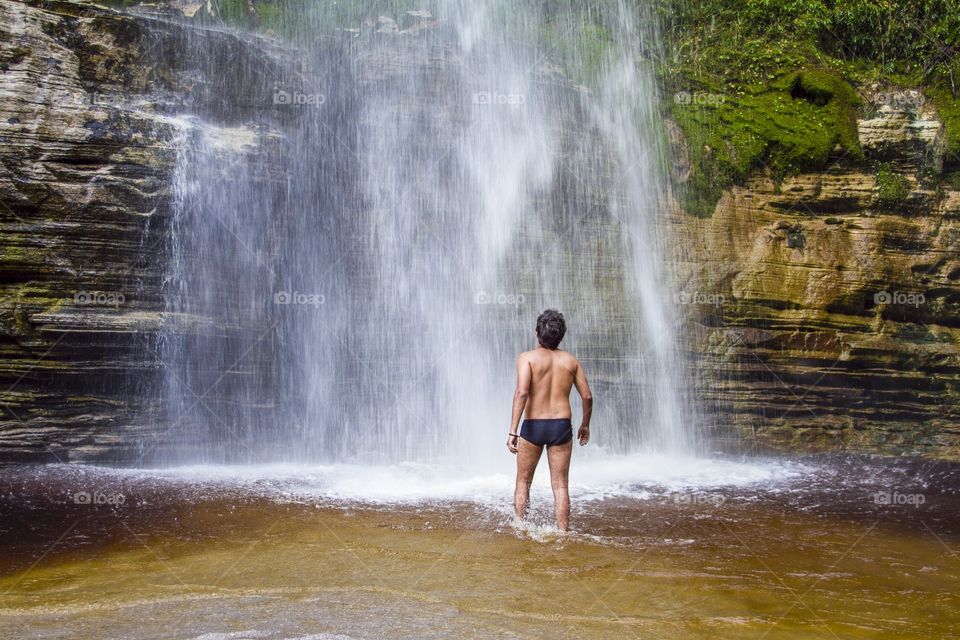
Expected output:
(901, 37)
(892, 187)
(794, 123)
(778, 104)
(36, 294)
(18, 254)
(948, 108)
(23, 300)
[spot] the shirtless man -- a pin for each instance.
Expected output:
(544, 378)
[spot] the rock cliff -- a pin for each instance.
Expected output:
(89, 114)
(827, 302)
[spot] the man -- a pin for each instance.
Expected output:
(544, 378)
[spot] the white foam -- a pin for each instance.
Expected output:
(234, 635)
(255, 634)
(593, 476)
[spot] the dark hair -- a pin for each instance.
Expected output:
(551, 328)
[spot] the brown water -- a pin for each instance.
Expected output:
(812, 557)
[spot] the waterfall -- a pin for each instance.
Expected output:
(357, 261)
(626, 110)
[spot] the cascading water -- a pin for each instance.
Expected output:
(625, 108)
(357, 263)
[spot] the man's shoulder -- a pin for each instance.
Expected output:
(567, 360)
(565, 357)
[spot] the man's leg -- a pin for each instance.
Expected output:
(528, 455)
(558, 456)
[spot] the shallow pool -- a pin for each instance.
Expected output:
(660, 548)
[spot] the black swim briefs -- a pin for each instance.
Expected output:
(548, 431)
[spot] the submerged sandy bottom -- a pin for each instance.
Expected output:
(660, 549)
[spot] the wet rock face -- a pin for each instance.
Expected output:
(90, 104)
(81, 184)
(840, 293)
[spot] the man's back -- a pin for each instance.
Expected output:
(544, 379)
(552, 374)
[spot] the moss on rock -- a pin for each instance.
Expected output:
(892, 187)
(948, 108)
(793, 123)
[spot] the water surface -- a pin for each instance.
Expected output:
(660, 547)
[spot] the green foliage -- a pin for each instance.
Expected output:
(891, 32)
(892, 187)
(952, 179)
(299, 20)
(234, 11)
(580, 48)
(919, 32)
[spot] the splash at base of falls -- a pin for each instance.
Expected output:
(596, 476)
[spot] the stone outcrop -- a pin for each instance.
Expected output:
(827, 314)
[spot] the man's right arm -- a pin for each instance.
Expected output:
(583, 388)
(520, 395)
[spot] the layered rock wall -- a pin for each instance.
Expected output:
(826, 306)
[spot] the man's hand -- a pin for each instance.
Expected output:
(584, 435)
(512, 444)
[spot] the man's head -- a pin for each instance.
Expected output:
(551, 328)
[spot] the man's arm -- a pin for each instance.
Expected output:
(519, 399)
(583, 388)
